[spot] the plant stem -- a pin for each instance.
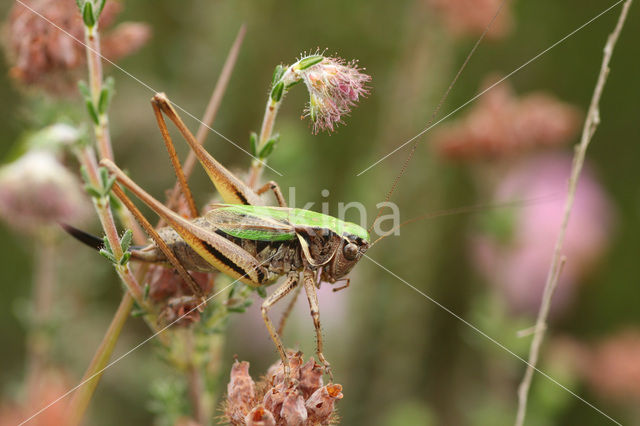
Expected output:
(591, 124)
(94, 62)
(83, 395)
(270, 114)
(87, 158)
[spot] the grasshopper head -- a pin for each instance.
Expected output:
(351, 249)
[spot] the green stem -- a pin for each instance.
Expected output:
(92, 376)
(270, 114)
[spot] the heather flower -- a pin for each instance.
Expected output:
(612, 366)
(471, 17)
(276, 401)
(335, 86)
(44, 56)
(46, 388)
(501, 125)
(513, 250)
(37, 190)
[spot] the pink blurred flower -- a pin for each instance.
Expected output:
(49, 387)
(518, 266)
(37, 190)
(501, 125)
(471, 17)
(611, 367)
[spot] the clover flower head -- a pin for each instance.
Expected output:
(335, 86)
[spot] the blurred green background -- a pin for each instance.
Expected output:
(401, 359)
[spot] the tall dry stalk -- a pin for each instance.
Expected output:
(590, 125)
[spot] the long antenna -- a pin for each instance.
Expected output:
(403, 169)
(475, 208)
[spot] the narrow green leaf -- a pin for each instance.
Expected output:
(125, 258)
(108, 256)
(93, 191)
(109, 185)
(99, 7)
(103, 101)
(105, 95)
(107, 244)
(104, 176)
(93, 113)
(267, 149)
(293, 83)
(238, 309)
(253, 144)
(137, 313)
(309, 61)
(84, 174)
(262, 292)
(277, 74)
(84, 89)
(125, 241)
(145, 293)
(87, 15)
(276, 92)
(115, 203)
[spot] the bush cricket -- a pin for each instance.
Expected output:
(250, 242)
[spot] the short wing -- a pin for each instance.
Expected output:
(250, 222)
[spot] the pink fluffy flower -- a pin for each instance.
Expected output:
(335, 86)
(517, 263)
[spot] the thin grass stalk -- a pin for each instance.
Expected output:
(590, 125)
(92, 376)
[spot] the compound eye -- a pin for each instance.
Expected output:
(350, 251)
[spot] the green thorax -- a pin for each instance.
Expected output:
(265, 223)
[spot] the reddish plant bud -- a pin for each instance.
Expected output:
(320, 405)
(293, 410)
(240, 392)
(260, 416)
(310, 377)
(274, 401)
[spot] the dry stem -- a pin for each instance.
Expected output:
(591, 123)
(88, 159)
(92, 376)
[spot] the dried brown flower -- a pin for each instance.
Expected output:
(471, 17)
(44, 56)
(173, 296)
(276, 401)
(502, 125)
